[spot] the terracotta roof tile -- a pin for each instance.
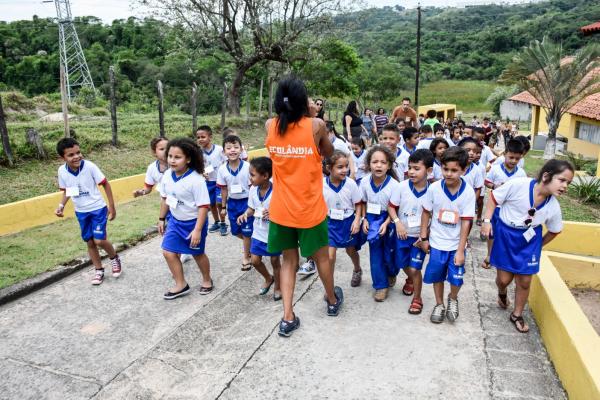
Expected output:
(591, 28)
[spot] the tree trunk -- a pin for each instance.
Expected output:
(161, 109)
(33, 138)
(233, 96)
(550, 149)
(260, 99)
(224, 108)
(113, 106)
(194, 108)
(4, 134)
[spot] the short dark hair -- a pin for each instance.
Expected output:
(64, 144)
(359, 142)
(467, 140)
(391, 127)
(406, 98)
(426, 129)
(515, 146)
(479, 130)
(431, 113)
(456, 153)
(525, 141)
(232, 139)
(155, 141)
(191, 151)
(423, 155)
(408, 133)
(435, 142)
(438, 127)
(205, 128)
(554, 167)
(262, 165)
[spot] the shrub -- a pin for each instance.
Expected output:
(99, 112)
(578, 160)
(587, 189)
(591, 168)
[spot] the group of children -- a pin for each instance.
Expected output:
(414, 195)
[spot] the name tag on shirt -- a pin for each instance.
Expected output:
(413, 221)
(336, 214)
(258, 213)
(529, 234)
(448, 217)
(171, 202)
(236, 189)
(373, 208)
(72, 191)
(209, 168)
(407, 119)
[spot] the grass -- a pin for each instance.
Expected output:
(36, 250)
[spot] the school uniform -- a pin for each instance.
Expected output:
(340, 145)
(82, 187)
(237, 183)
(424, 143)
(474, 177)
(376, 199)
(497, 176)
(184, 195)
(213, 159)
(409, 204)
(260, 226)
(341, 203)
(359, 162)
(482, 171)
(437, 170)
(500, 160)
(153, 174)
(447, 212)
(517, 242)
(401, 163)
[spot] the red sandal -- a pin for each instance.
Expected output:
(416, 307)
(408, 287)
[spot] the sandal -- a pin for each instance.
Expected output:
(416, 307)
(503, 301)
(276, 295)
(206, 290)
(246, 267)
(356, 278)
(485, 264)
(265, 290)
(408, 287)
(518, 320)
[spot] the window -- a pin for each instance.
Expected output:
(587, 132)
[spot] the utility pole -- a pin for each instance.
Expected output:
(113, 106)
(161, 109)
(194, 108)
(64, 97)
(418, 66)
(5, 140)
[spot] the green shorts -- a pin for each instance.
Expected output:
(308, 239)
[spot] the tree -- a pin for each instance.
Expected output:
(555, 81)
(248, 32)
(499, 94)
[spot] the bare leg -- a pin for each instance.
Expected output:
(438, 290)
(276, 264)
(107, 247)
(321, 258)
(454, 292)
(355, 257)
(246, 245)
(288, 282)
(176, 269)
(94, 254)
(523, 282)
(479, 202)
(215, 213)
(262, 269)
(204, 266)
(503, 279)
(417, 279)
(332, 257)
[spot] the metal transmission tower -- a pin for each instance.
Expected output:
(77, 73)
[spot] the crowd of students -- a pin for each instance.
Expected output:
(413, 198)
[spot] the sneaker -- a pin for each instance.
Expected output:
(438, 313)
(185, 258)
(174, 295)
(380, 295)
(98, 277)
(452, 310)
(223, 229)
(334, 309)
(214, 227)
(116, 266)
(287, 327)
(356, 278)
(308, 268)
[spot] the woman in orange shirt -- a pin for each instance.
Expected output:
(298, 212)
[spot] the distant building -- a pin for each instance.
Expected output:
(591, 29)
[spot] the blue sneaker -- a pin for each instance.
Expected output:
(214, 227)
(308, 268)
(223, 229)
(287, 327)
(334, 309)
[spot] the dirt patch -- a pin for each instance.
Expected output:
(589, 301)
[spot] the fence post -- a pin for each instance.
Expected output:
(113, 105)
(194, 110)
(270, 97)
(33, 138)
(247, 110)
(4, 134)
(64, 101)
(161, 110)
(224, 106)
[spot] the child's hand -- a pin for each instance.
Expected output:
(401, 231)
(59, 212)
(486, 229)
(423, 245)
(365, 226)
(383, 229)
(223, 212)
(459, 258)
(161, 227)
(195, 238)
(355, 226)
(205, 175)
(139, 192)
(112, 213)
(242, 219)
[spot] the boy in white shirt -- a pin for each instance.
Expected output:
(450, 207)
(79, 180)
(390, 138)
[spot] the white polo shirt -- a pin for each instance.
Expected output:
(237, 181)
(498, 174)
(153, 174)
(515, 199)
(424, 143)
(258, 204)
(474, 176)
(373, 195)
(344, 197)
(500, 160)
(447, 212)
(437, 170)
(82, 186)
(184, 194)
(339, 144)
(213, 159)
(359, 162)
(487, 156)
(401, 164)
(410, 206)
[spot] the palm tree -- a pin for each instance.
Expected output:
(555, 81)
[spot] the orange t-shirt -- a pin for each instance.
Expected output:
(297, 200)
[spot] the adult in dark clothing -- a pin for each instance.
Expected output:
(352, 122)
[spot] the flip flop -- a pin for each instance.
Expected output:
(503, 301)
(246, 267)
(265, 290)
(416, 307)
(206, 290)
(485, 264)
(277, 296)
(519, 320)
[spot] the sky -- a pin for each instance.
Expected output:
(108, 10)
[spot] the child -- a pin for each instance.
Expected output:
(405, 209)
(525, 205)
(411, 140)
(156, 169)
(438, 147)
(261, 170)
(390, 137)
(526, 146)
(358, 157)
(230, 131)
(234, 180)
(376, 190)
(343, 200)
(450, 207)
(431, 118)
(79, 180)
(439, 131)
(213, 159)
(500, 174)
(185, 196)
(455, 137)
(426, 138)
(340, 144)
(472, 174)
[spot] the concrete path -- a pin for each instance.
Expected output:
(123, 341)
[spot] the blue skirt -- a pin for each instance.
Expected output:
(259, 248)
(512, 253)
(339, 233)
(177, 237)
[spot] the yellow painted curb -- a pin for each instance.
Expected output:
(24, 214)
(578, 272)
(581, 238)
(571, 341)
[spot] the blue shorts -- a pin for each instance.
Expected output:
(258, 248)
(441, 267)
(93, 224)
(235, 208)
(212, 191)
(218, 197)
(407, 255)
(177, 237)
(339, 233)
